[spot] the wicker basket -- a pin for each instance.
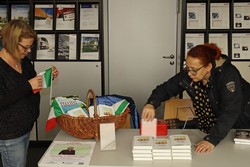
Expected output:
(86, 127)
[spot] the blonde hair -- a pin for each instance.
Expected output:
(13, 32)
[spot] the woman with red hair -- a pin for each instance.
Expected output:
(221, 97)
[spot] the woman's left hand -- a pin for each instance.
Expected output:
(204, 147)
(55, 72)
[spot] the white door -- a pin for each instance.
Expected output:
(142, 35)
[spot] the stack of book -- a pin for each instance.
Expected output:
(181, 146)
(242, 137)
(161, 149)
(142, 147)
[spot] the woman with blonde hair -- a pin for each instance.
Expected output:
(19, 107)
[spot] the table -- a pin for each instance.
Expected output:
(225, 154)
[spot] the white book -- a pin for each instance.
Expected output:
(77, 112)
(142, 151)
(181, 154)
(161, 145)
(142, 155)
(182, 158)
(161, 158)
(161, 151)
(161, 154)
(143, 142)
(181, 151)
(242, 136)
(241, 142)
(180, 141)
(149, 128)
(142, 159)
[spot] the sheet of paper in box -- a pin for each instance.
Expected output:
(66, 153)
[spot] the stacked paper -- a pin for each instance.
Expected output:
(181, 146)
(161, 149)
(242, 137)
(142, 147)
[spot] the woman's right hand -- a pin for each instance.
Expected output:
(148, 112)
(36, 82)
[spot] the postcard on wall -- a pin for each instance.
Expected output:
(196, 15)
(45, 47)
(219, 16)
(43, 17)
(68, 153)
(89, 47)
(193, 39)
(221, 40)
(65, 16)
(241, 46)
(241, 15)
(3, 14)
(89, 16)
(20, 12)
(66, 47)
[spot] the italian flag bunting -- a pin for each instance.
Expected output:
(46, 77)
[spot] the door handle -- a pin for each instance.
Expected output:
(169, 57)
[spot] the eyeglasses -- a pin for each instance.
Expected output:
(191, 71)
(26, 48)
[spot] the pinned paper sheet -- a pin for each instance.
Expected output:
(107, 136)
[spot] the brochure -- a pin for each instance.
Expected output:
(66, 153)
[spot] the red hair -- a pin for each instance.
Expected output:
(207, 53)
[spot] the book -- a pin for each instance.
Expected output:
(161, 154)
(142, 151)
(162, 158)
(242, 136)
(148, 128)
(180, 154)
(180, 141)
(105, 110)
(142, 155)
(142, 158)
(143, 142)
(182, 158)
(161, 145)
(181, 151)
(78, 112)
(241, 142)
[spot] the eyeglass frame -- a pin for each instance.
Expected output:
(26, 48)
(193, 71)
